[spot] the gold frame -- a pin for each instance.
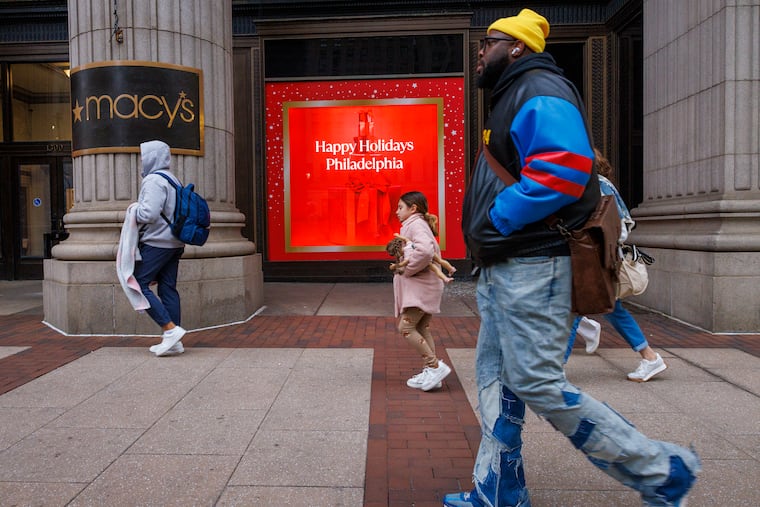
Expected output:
(287, 105)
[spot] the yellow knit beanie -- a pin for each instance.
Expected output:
(528, 26)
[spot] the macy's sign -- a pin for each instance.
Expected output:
(117, 105)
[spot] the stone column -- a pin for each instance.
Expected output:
(220, 282)
(701, 212)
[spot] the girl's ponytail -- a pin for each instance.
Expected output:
(416, 198)
(432, 221)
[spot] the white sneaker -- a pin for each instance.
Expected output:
(417, 381)
(169, 339)
(590, 330)
(176, 349)
(647, 369)
(434, 376)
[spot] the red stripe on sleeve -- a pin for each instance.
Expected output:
(558, 184)
(565, 159)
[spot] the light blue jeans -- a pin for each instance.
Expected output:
(623, 322)
(524, 306)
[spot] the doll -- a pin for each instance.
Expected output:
(395, 248)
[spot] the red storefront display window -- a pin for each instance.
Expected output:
(340, 154)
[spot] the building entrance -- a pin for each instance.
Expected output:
(36, 193)
(36, 186)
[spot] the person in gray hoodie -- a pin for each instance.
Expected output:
(160, 251)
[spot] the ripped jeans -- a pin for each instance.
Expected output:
(524, 306)
(414, 326)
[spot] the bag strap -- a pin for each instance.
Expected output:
(498, 169)
(174, 185)
(168, 178)
(637, 255)
(506, 177)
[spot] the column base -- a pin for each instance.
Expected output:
(85, 297)
(716, 291)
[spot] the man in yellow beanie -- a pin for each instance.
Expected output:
(537, 162)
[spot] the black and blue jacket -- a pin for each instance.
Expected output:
(537, 130)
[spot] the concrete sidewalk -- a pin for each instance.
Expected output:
(306, 405)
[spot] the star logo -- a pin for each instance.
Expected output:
(77, 112)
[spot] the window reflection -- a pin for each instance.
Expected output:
(41, 101)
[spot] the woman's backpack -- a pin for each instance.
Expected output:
(192, 217)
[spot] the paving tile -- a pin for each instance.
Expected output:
(235, 388)
(304, 458)
(459, 299)
(410, 448)
(279, 298)
(139, 398)
(709, 401)
(73, 383)
(159, 480)
(749, 444)
(292, 497)
(552, 462)
(747, 379)
(18, 423)
(574, 498)
(275, 358)
(722, 358)
(463, 364)
(38, 493)
(200, 432)
(304, 404)
(360, 299)
(345, 364)
(23, 305)
(690, 431)
(726, 482)
(64, 454)
(9, 351)
(602, 379)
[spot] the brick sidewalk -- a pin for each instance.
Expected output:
(421, 445)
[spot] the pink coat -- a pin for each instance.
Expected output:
(418, 286)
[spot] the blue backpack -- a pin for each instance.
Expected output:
(191, 215)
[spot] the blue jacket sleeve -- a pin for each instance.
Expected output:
(556, 158)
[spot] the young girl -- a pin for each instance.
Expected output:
(417, 290)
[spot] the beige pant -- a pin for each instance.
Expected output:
(414, 326)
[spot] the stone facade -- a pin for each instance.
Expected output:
(699, 218)
(220, 282)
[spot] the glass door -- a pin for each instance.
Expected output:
(33, 209)
(38, 202)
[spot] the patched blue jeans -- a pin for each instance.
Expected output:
(524, 306)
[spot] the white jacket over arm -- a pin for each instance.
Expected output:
(126, 256)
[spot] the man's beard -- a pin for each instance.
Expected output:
(491, 73)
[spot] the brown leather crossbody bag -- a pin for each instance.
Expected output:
(594, 254)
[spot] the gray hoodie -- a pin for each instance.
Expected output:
(156, 196)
